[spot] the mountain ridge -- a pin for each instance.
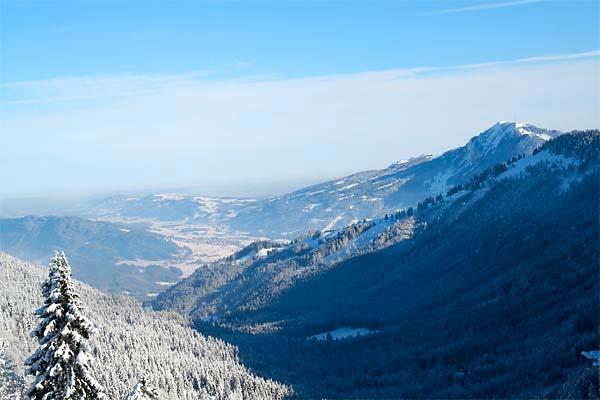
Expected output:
(337, 203)
(318, 251)
(493, 293)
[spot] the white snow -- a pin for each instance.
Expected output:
(593, 355)
(297, 196)
(260, 253)
(519, 168)
(236, 201)
(354, 246)
(524, 129)
(334, 221)
(350, 186)
(367, 198)
(312, 241)
(169, 196)
(161, 283)
(207, 204)
(264, 252)
(231, 214)
(309, 207)
(384, 186)
(247, 256)
(439, 184)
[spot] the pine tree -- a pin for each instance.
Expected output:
(60, 364)
(143, 391)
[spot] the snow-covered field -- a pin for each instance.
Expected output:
(207, 243)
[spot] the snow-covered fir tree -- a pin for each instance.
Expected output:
(61, 363)
(131, 342)
(143, 391)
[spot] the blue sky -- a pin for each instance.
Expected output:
(123, 96)
(288, 38)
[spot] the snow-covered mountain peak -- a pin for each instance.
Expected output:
(505, 128)
(489, 140)
(528, 129)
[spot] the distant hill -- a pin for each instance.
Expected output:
(489, 290)
(131, 343)
(340, 202)
(99, 251)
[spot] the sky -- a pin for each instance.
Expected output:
(122, 96)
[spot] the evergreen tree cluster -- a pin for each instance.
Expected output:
(131, 343)
(583, 145)
(477, 181)
(430, 202)
(400, 214)
(143, 391)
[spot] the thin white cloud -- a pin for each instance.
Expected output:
(192, 130)
(98, 88)
(486, 6)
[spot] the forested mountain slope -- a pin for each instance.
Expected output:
(494, 294)
(100, 251)
(534, 214)
(251, 277)
(131, 343)
(255, 275)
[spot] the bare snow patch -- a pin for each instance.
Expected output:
(264, 252)
(309, 207)
(593, 355)
(384, 186)
(332, 223)
(161, 283)
(168, 196)
(350, 186)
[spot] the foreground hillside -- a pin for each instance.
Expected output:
(132, 343)
(492, 294)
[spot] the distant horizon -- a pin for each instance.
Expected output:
(221, 94)
(252, 189)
